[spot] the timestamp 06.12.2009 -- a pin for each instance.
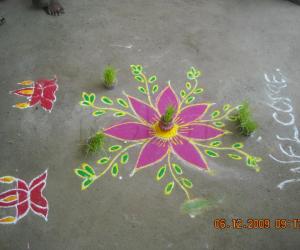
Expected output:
(253, 223)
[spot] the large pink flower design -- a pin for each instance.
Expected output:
(24, 198)
(157, 143)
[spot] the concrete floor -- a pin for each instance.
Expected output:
(233, 42)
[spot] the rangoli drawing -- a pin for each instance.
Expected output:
(41, 91)
(189, 136)
(24, 197)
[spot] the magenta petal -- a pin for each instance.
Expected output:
(167, 98)
(188, 152)
(41, 211)
(192, 113)
(201, 132)
(131, 131)
(143, 110)
(39, 179)
(22, 209)
(152, 152)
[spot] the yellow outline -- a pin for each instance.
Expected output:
(114, 159)
(114, 109)
(174, 177)
(147, 86)
(192, 105)
(191, 92)
(195, 139)
(121, 139)
(146, 104)
(198, 150)
(136, 169)
(160, 95)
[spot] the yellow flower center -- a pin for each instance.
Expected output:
(166, 135)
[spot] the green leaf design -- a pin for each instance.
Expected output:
(85, 96)
(177, 168)
(187, 183)
(161, 172)
(152, 79)
(107, 100)
(252, 161)
(169, 187)
(103, 160)
(215, 114)
(154, 88)
(232, 118)
(115, 148)
(188, 85)
(190, 99)
(198, 73)
(92, 98)
(136, 69)
(122, 102)
(238, 145)
(211, 153)
(89, 169)
(84, 103)
(182, 93)
(139, 67)
(142, 90)
(226, 107)
(198, 91)
(219, 124)
(119, 114)
(139, 78)
(234, 156)
(125, 158)
(99, 112)
(190, 75)
(215, 143)
(81, 173)
(115, 170)
(86, 183)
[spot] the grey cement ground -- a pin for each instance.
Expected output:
(233, 42)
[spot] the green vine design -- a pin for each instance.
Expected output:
(149, 87)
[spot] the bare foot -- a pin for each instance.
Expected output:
(54, 9)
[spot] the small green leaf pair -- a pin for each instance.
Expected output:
(136, 69)
(88, 99)
(192, 74)
(87, 173)
(252, 161)
(162, 171)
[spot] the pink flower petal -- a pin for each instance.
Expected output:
(37, 186)
(34, 100)
(167, 98)
(188, 152)
(192, 113)
(46, 104)
(131, 131)
(37, 197)
(39, 179)
(152, 152)
(143, 110)
(201, 132)
(49, 92)
(46, 82)
(22, 209)
(41, 211)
